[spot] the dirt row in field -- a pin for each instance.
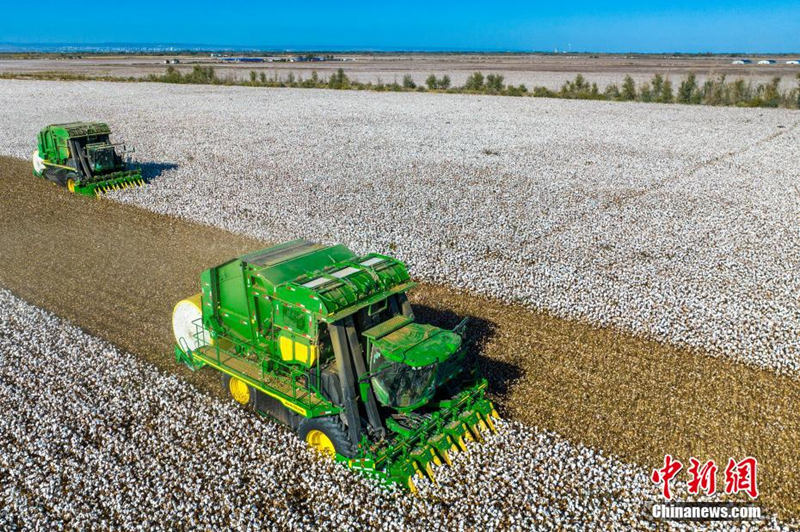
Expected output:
(116, 271)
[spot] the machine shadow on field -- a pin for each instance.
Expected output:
(501, 375)
(152, 171)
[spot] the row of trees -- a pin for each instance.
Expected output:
(713, 91)
(491, 84)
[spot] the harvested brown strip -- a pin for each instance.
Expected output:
(116, 271)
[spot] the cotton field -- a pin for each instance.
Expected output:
(93, 437)
(675, 222)
(679, 222)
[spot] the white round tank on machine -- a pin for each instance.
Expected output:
(38, 163)
(185, 318)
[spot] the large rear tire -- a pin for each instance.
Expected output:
(326, 435)
(60, 176)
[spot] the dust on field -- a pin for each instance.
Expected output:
(116, 271)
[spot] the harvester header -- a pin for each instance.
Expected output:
(79, 156)
(325, 341)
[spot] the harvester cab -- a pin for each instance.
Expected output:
(80, 156)
(326, 342)
(405, 364)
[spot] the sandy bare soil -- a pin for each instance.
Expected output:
(115, 270)
(530, 69)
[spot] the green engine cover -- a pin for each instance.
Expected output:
(53, 140)
(294, 286)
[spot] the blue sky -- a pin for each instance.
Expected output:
(622, 26)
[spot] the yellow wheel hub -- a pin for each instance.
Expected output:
(239, 390)
(319, 440)
(71, 185)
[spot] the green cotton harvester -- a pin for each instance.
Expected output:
(80, 156)
(326, 342)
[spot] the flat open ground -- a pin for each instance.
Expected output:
(115, 270)
(530, 69)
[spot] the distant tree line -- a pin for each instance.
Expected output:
(659, 89)
(714, 91)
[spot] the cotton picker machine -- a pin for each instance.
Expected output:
(80, 156)
(326, 342)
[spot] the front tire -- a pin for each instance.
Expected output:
(326, 435)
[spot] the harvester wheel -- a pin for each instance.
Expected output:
(241, 392)
(71, 185)
(319, 440)
(326, 435)
(60, 176)
(55, 175)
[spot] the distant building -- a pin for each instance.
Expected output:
(767, 62)
(741, 62)
(305, 58)
(242, 59)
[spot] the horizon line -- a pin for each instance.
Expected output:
(37, 47)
